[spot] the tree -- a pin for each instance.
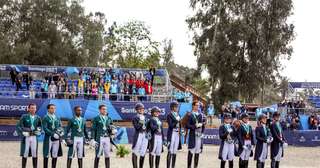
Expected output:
(241, 42)
(51, 32)
(131, 45)
(167, 55)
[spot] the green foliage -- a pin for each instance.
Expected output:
(131, 45)
(241, 43)
(122, 151)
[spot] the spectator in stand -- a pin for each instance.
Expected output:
(100, 90)
(295, 122)
(106, 89)
(18, 82)
(210, 113)
(87, 89)
(134, 92)
(313, 122)
(27, 79)
(61, 88)
(67, 90)
(94, 91)
(224, 109)
(148, 89)
(44, 89)
(113, 90)
(152, 72)
(13, 75)
(80, 86)
(187, 96)
(141, 93)
(73, 90)
(32, 91)
(52, 90)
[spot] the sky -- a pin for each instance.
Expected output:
(166, 19)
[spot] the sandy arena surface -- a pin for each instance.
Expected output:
(295, 157)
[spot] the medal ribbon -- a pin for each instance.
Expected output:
(79, 122)
(246, 128)
(104, 121)
(53, 119)
(32, 121)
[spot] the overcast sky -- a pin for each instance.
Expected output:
(166, 19)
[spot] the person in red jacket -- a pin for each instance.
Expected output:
(148, 87)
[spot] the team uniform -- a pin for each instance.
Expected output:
(173, 137)
(246, 143)
(29, 127)
(157, 139)
(52, 139)
(101, 133)
(140, 140)
(227, 134)
(76, 132)
(263, 137)
(196, 126)
(277, 144)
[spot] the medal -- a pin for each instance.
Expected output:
(32, 122)
(104, 120)
(79, 124)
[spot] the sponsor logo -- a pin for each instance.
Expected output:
(302, 139)
(4, 107)
(206, 136)
(3, 133)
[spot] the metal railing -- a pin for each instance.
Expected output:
(88, 96)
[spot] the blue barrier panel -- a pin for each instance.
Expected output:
(64, 107)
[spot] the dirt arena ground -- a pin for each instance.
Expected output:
(295, 157)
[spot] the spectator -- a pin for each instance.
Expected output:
(210, 113)
(187, 96)
(113, 91)
(295, 122)
(18, 82)
(106, 89)
(141, 93)
(80, 86)
(87, 89)
(44, 89)
(52, 90)
(13, 75)
(67, 90)
(27, 79)
(148, 88)
(152, 72)
(313, 122)
(94, 91)
(32, 91)
(73, 90)
(100, 91)
(134, 92)
(61, 88)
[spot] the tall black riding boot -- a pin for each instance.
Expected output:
(196, 160)
(69, 161)
(246, 163)
(157, 161)
(168, 159)
(107, 162)
(45, 162)
(277, 164)
(174, 157)
(223, 164)
(151, 158)
(35, 162)
(273, 164)
(134, 160)
(141, 161)
(189, 159)
(80, 163)
(231, 164)
(24, 162)
(241, 163)
(96, 162)
(54, 162)
(262, 164)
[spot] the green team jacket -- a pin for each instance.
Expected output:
(97, 129)
(72, 127)
(50, 127)
(24, 123)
